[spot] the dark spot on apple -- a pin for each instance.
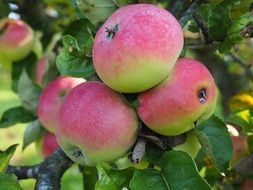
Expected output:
(111, 31)
(76, 152)
(202, 96)
(4, 27)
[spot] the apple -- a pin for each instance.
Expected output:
(185, 97)
(16, 39)
(247, 185)
(191, 146)
(51, 98)
(47, 144)
(137, 47)
(95, 124)
(40, 70)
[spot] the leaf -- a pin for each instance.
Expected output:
(28, 64)
(80, 31)
(72, 61)
(9, 182)
(5, 157)
(178, 171)
(234, 33)
(14, 116)
(96, 11)
(112, 179)
(33, 132)
(121, 3)
(148, 179)
(153, 153)
(220, 21)
(243, 119)
(213, 133)
(90, 177)
(28, 93)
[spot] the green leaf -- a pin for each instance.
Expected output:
(153, 153)
(14, 116)
(28, 93)
(9, 182)
(96, 11)
(33, 132)
(90, 177)
(220, 21)
(121, 3)
(180, 172)
(28, 64)
(148, 179)
(80, 30)
(234, 34)
(213, 133)
(5, 157)
(112, 179)
(72, 61)
(243, 119)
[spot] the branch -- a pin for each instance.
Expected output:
(24, 172)
(189, 13)
(204, 29)
(51, 171)
(244, 65)
(48, 173)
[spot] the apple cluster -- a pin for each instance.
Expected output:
(136, 50)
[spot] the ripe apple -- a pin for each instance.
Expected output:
(185, 97)
(137, 47)
(41, 68)
(47, 144)
(95, 124)
(51, 98)
(16, 39)
(190, 146)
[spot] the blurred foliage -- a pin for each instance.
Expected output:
(223, 29)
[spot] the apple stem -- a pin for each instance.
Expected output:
(111, 31)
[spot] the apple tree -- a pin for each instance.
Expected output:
(138, 94)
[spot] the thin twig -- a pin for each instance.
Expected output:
(189, 13)
(244, 65)
(204, 29)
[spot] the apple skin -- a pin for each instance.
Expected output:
(47, 144)
(16, 39)
(95, 124)
(51, 98)
(172, 107)
(191, 146)
(143, 51)
(40, 70)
